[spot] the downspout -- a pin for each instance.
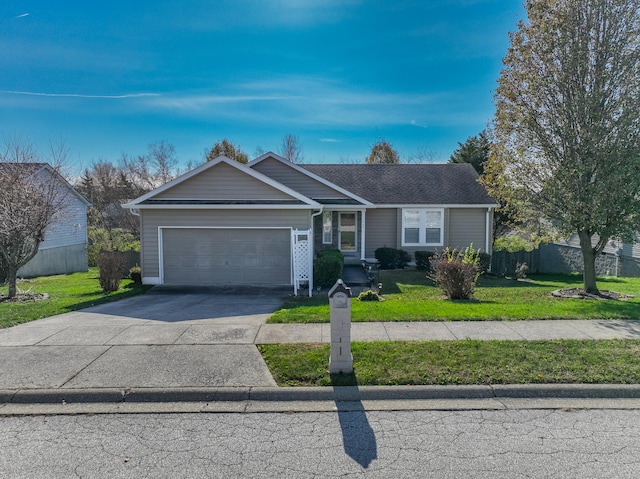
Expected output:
(488, 229)
(311, 242)
(363, 214)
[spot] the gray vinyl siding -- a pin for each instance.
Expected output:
(381, 229)
(70, 227)
(223, 182)
(152, 219)
(296, 180)
(467, 226)
(631, 250)
(59, 260)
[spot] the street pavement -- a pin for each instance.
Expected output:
(190, 349)
(509, 444)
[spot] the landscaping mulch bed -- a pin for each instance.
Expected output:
(23, 297)
(579, 293)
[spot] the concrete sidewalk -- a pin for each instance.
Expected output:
(107, 359)
(454, 330)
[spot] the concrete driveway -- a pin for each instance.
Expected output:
(167, 338)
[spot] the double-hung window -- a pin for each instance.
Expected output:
(422, 226)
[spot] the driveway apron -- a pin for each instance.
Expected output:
(167, 338)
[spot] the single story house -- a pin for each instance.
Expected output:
(225, 223)
(64, 248)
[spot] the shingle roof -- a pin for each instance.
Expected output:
(449, 183)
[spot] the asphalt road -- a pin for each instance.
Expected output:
(410, 444)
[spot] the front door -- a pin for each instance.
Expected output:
(348, 232)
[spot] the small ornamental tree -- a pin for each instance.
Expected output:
(33, 195)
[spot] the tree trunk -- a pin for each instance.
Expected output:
(12, 278)
(589, 263)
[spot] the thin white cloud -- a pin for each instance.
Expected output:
(199, 102)
(317, 101)
(329, 140)
(22, 16)
(78, 95)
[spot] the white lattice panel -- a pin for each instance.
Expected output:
(302, 258)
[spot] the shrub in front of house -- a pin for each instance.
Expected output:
(456, 273)
(423, 259)
(391, 258)
(111, 265)
(100, 239)
(484, 262)
(135, 274)
(327, 268)
(370, 295)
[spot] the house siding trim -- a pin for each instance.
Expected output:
(433, 205)
(313, 206)
(211, 164)
(348, 193)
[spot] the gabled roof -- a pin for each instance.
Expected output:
(150, 199)
(28, 169)
(419, 184)
(349, 192)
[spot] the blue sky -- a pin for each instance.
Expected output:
(111, 77)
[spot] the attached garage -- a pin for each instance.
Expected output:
(226, 256)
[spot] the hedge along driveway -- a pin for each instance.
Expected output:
(410, 296)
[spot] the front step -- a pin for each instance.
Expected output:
(354, 275)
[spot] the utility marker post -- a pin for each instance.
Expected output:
(340, 359)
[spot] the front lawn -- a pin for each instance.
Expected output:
(68, 292)
(460, 362)
(411, 297)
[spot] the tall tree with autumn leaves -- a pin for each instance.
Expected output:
(566, 142)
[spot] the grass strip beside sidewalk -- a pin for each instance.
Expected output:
(460, 362)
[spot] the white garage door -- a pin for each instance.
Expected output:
(227, 256)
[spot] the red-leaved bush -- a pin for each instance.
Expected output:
(456, 273)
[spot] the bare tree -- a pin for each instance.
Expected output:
(33, 195)
(107, 187)
(422, 155)
(162, 156)
(157, 167)
(291, 149)
(259, 151)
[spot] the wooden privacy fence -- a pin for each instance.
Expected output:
(504, 263)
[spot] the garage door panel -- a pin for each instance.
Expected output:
(227, 256)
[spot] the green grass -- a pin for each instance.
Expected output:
(411, 297)
(68, 292)
(460, 362)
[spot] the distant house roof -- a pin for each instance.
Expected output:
(438, 184)
(26, 169)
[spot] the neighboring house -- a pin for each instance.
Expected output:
(226, 223)
(64, 249)
(617, 259)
